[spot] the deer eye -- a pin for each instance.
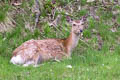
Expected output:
(74, 24)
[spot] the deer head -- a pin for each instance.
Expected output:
(77, 25)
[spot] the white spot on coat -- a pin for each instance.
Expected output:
(17, 60)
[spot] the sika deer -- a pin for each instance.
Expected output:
(38, 51)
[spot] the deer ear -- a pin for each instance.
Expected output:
(68, 19)
(84, 18)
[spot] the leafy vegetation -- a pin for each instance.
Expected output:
(88, 62)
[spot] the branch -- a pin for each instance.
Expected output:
(37, 10)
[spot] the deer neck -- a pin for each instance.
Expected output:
(71, 42)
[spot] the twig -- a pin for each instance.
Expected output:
(84, 42)
(37, 10)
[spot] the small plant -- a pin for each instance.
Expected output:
(118, 19)
(81, 13)
(87, 34)
(83, 2)
(3, 12)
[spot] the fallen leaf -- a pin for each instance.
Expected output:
(17, 4)
(69, 66)
(90, 0)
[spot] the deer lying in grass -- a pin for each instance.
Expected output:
(37, 51)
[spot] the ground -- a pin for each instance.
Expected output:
(90, 66)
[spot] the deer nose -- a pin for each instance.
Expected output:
(81, 30)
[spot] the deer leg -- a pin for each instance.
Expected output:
(28, 63)
(37, 59)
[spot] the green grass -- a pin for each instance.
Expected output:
(91, 65)
(87, 63)
(3, 11)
